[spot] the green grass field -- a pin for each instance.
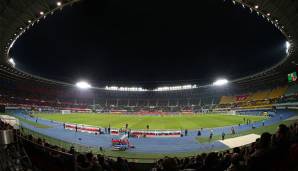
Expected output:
(155, 122)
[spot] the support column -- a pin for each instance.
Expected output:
(94, 104)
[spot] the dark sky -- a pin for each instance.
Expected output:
(148, 42)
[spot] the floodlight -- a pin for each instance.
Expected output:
(220, 82)
(83, 85)
(11, 61)
(115, 88)
(288, 46)
(59, 4)
(41, 13)
(256, 6)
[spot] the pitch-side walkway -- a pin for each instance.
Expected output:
(240, 141)
(149, 145)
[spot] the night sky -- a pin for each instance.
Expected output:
(149, 43)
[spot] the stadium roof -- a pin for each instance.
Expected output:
(17, 16)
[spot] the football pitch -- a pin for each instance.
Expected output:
(154, 122)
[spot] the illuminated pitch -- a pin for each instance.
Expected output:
(155, 122)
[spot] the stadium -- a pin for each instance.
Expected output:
(244, 123)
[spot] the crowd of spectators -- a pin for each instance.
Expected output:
(91, 162)
(271, 152)
(12, 155)
(34, 103)
(288, 99)
(51, 157)
(54, 105)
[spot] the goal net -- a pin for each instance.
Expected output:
(65, 111)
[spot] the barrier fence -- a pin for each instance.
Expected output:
(114, 131)
(84, 149)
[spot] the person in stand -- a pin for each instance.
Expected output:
(64, 125)
(223, 135)
(99, 131)
(36, 120)
(76, 128)
(185, 132)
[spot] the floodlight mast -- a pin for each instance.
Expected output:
(83, 85)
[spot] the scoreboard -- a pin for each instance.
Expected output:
(292, 77)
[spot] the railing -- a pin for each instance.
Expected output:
(46, 158)
(95, 150)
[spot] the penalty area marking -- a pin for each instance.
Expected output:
(240, 141)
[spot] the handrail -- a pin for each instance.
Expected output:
(44, 147)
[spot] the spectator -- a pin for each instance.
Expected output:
(235, 163)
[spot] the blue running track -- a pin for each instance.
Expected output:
(148, 145)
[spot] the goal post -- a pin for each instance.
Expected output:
(65, 112)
